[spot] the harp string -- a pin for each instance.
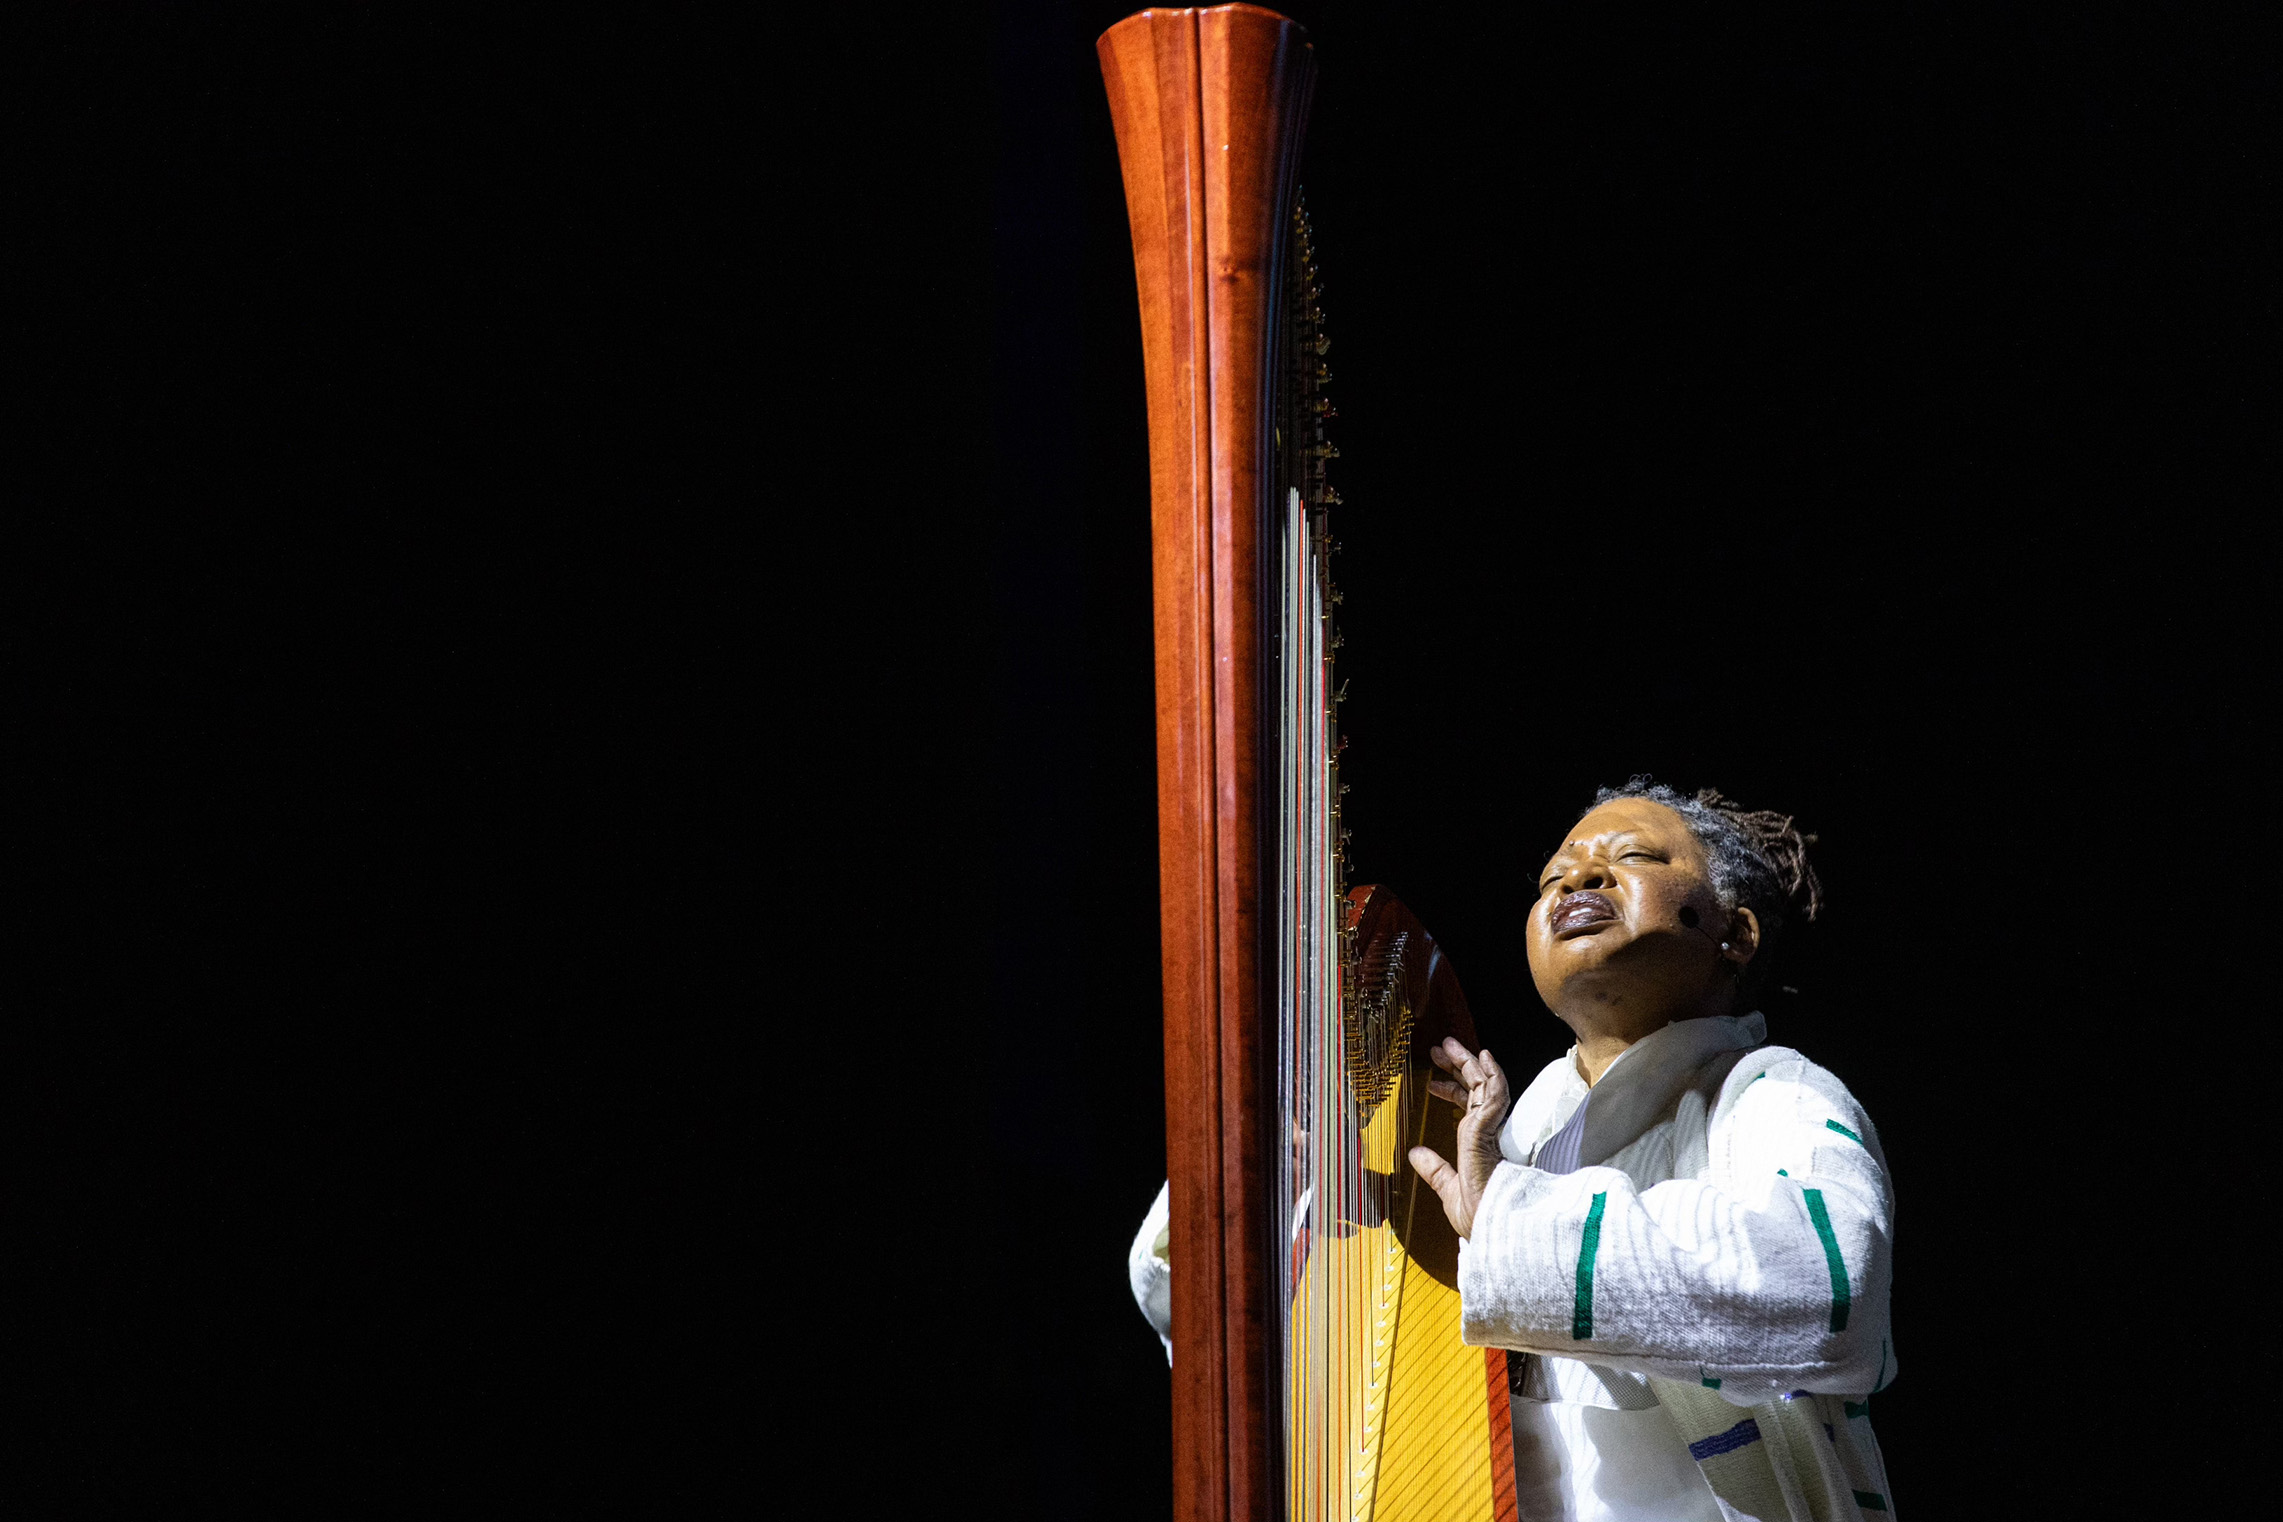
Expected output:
(1333, 1064)
(1348, 1114)
(1330, 1290)
(1350, 1096)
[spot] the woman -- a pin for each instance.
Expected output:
(1683, 1236)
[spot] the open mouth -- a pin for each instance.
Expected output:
(1581, 912)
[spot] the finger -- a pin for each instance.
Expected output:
(1448, 1186)
(1493, 1074)
(1443, 1059)
(1443, 1088)
(1439, 1175)
(1458, 1054)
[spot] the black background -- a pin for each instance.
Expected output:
(1848, 409)
(595, 918)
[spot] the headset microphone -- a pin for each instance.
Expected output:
(1688, 918)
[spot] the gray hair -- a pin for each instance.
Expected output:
(1759, 862)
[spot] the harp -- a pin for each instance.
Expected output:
(1317, 1366)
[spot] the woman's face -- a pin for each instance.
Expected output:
(1609, 929)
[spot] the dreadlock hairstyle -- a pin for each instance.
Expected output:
(1759, 862)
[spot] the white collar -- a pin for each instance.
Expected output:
(1634, 1091)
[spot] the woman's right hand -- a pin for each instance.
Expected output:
(1479, 1086)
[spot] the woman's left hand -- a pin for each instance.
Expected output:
(1480, 1087)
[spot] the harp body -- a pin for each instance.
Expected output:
(1317, 1367)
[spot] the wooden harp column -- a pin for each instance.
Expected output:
(1209, 107)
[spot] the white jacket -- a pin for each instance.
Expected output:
(1706, 1294)
(1723, 1253)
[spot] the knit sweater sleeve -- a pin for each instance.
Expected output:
(1768, 1274)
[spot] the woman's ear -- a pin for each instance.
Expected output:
(1744, 935)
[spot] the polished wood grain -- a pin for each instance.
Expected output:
(1208, 107)
(1505, 1507)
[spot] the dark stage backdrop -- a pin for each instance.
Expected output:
(1844, 408)
(589, 926)
(384, 977)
